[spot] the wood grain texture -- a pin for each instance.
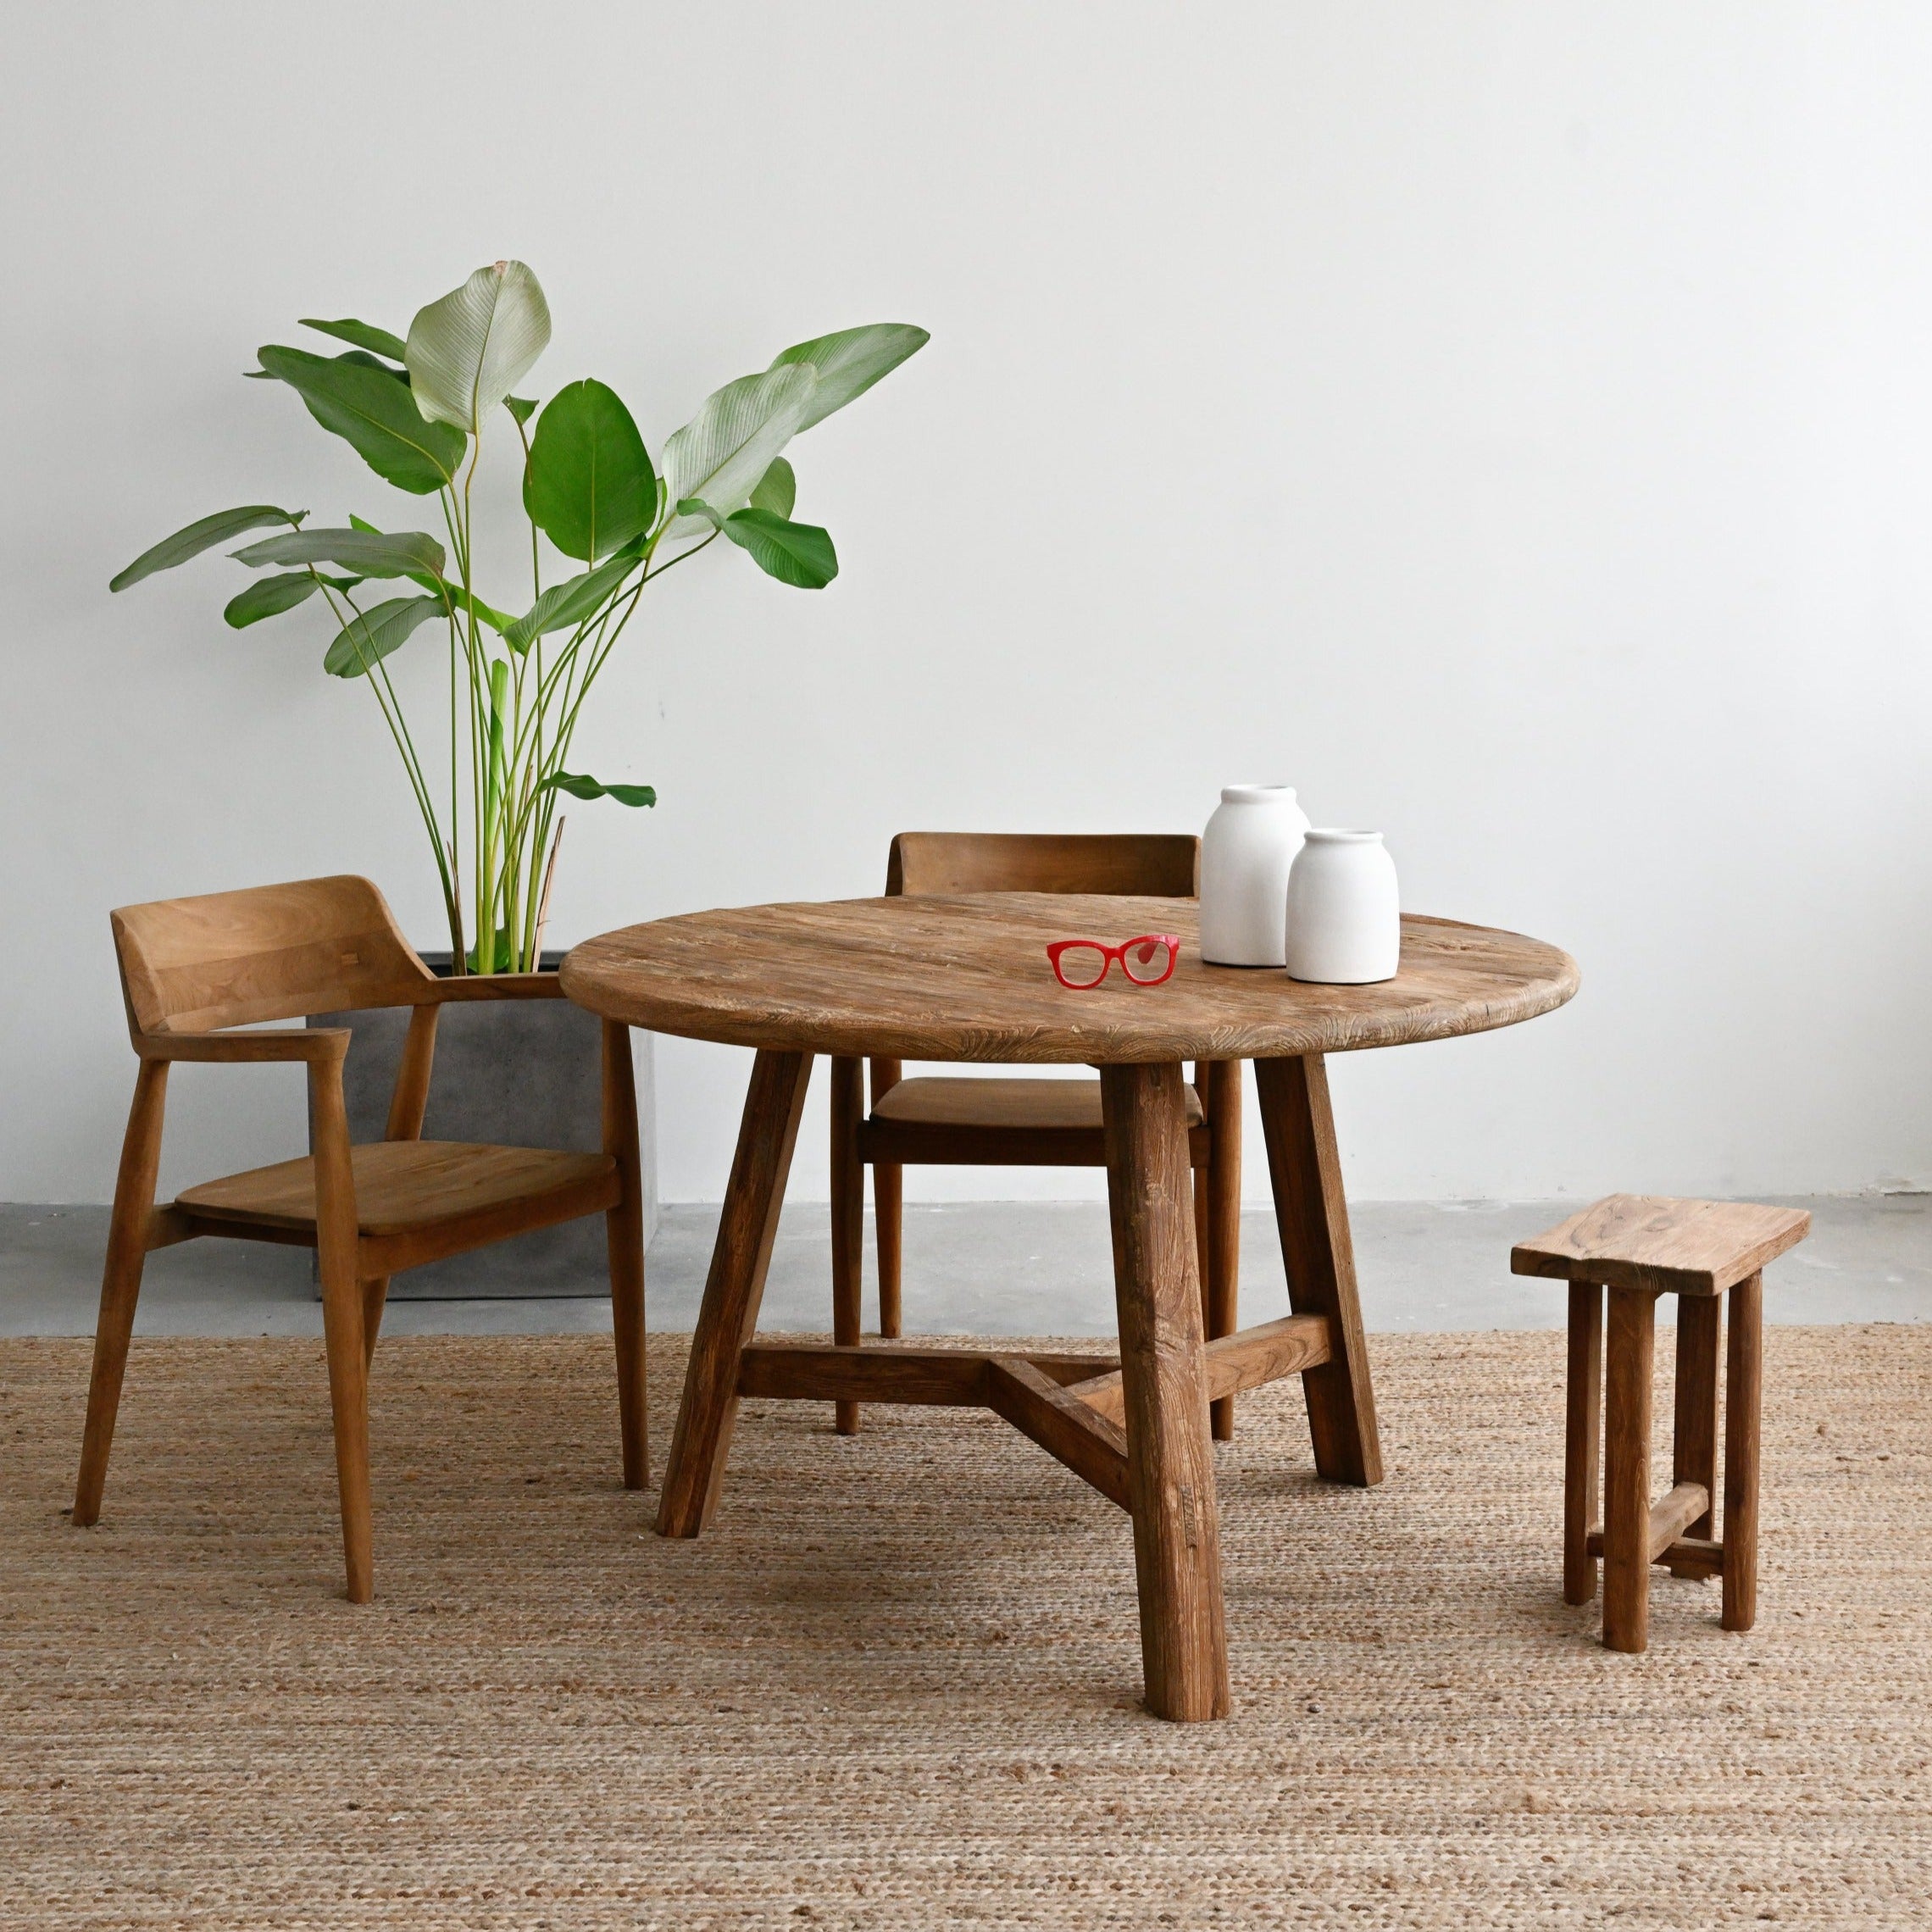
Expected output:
(929, 864)
(1629, 1353)
(128, 1246)
(624, 1240)
(1694, 1557)
(967, 978)
(728, 1315)
(1248, 1360)
(848, 1217)
(1026, 1105)
(1652, 1240)
(1744, 1396)
(1671, 1513)
(191, 967)
(1304, 1167)
(403, 1186)
(1039, 1408)
(266, 952)
(888, 1212)
(410, 1099)
(333, 1194)
(1177, 1545)
(925, 1374)
(1694, 1438)
(936, 1121)
(1583, 1437)
(1220, 1218)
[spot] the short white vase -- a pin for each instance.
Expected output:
(1250, 843)
(1344, 926)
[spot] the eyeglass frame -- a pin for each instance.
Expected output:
(1109, 954)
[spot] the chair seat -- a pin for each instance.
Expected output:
(1652, 1240)
(938, 1122)
(1004, 1106)
(403, 1186)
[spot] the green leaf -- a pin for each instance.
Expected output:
(369, 553)
(375, 413)
(722, 454)
(370, 638)
(363, 360)
(521, 406)
(474, 957)
(564, 606)
(590, 487)
(431, 580)
(778, 489)
(268, 596)
(200, 536)
(849, 363)
(469, 350)
(799, 554)
(580, 786)
(364, 335)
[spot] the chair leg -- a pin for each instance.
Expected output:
(1694, 1450)
(888, 1212)
(888, 1199)
(375, 1300)
(1743, 1404)
(336, 1243)
(1626, 1474)
(623, 1238)
(848, 1218)
(1222, 1261)
(121, 1281)
(1583, 1436)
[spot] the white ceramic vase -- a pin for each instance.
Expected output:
(1344, 924)
(1250, 843)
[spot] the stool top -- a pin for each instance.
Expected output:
(1650, 1240)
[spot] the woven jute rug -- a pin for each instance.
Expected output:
(897, 1684)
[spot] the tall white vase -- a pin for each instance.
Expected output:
(1250, 843)
(1345, 922)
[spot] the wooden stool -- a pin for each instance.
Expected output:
(1639, 1246)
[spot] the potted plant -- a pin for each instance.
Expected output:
(606, 519)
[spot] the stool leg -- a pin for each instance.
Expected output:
(1626, 1468)
(1743, 1404)
(1582, 1434)
(1694, 1454)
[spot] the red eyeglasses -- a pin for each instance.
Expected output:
(1081, 963)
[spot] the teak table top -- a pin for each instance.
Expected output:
(967, 978)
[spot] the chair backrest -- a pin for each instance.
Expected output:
(269, 952)
(1160, 864)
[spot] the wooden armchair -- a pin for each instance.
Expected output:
(1025, 1122)
(191, 967)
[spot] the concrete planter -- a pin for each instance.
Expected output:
(520, 1073)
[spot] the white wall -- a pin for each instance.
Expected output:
(1511, 423)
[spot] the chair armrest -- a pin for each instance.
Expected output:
(310, 1043)
(496, 986)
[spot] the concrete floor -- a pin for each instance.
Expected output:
(987, 1267)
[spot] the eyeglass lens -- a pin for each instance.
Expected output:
(1151, 960)
(1083, 965)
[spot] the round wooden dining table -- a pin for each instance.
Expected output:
(967, 978)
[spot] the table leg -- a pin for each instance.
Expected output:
(1170, 1461)
(1312, 1216)
(732, 1291)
